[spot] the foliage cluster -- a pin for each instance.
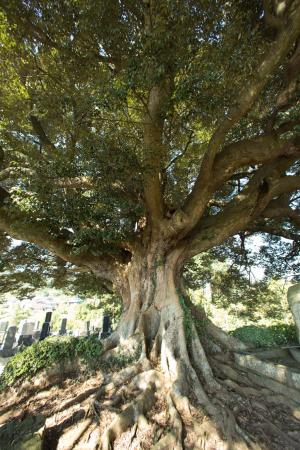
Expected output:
(75, 81)
(230, 289)
(27, 267)
(43, 355)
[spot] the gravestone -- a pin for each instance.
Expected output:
(48, 316)
(9, 340)
(3, 328)
(84, 329)
(45, 331)
(293, 296)
(26, 333)
(63, 327)
(36, 335)
(106, 327)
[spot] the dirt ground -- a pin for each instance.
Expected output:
(66, 416)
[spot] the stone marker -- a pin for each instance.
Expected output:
(106, 327)
(293, 296)
(48, 316)
(26, 328)
(63, 327)
(3, 328)
(84, 329)
(36, 335)
(45, 331)
(26, 333)
(9, 340)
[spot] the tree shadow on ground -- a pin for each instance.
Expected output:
(22, 433)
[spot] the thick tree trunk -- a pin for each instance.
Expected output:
(191, 354)
(159, 315)
(151, 301)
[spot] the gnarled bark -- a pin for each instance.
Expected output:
(159, 316)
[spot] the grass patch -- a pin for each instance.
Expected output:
(42, 355)
(266, 336)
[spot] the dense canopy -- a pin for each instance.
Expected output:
(107, 110)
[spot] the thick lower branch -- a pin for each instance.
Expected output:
(18, 226)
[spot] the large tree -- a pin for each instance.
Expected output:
(138, 134)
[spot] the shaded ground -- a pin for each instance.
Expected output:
(74, 414)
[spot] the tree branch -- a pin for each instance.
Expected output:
(196, 202)
(278, 209)
(286, 184)
(271, 19)
(274, 230)
(18, 226)
(154, 149)
(254, 151)
(245, 208)
(289, 90)
(180, 155)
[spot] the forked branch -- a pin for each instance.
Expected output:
(197, 201)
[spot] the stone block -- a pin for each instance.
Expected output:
(293, 296)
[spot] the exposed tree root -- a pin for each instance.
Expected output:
(78, 399)
(52, 434)
(134, 412)
(74, 437)
(201, 363)
(121, 378)
(173, 439)
(209, 402)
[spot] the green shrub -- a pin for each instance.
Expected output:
(260, 336)
(44, 354)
